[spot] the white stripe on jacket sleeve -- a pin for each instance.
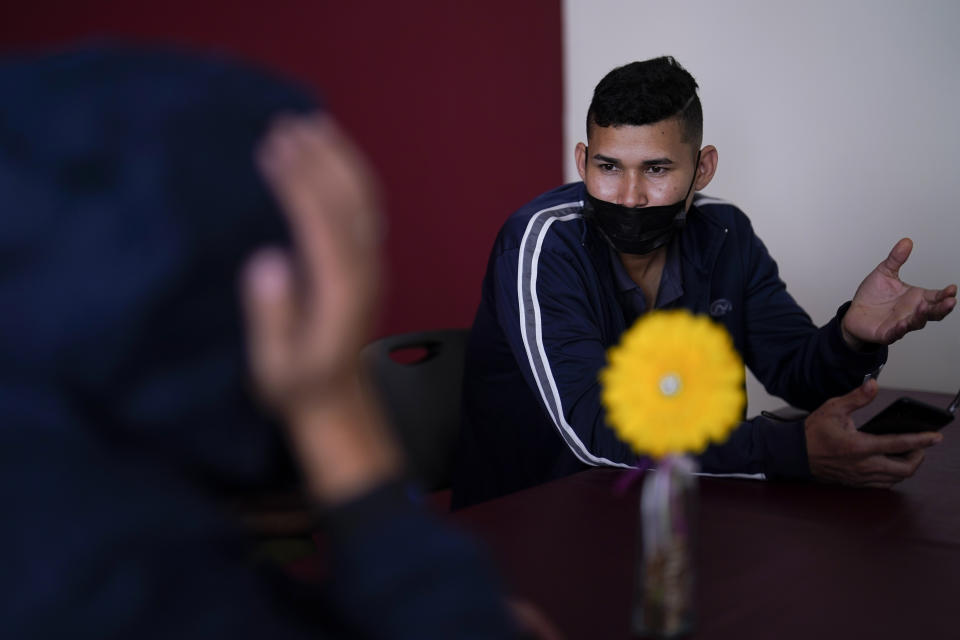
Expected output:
(531, 329)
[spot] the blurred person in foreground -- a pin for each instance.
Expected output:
(131, 202)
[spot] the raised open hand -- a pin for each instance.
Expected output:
(308, 314)
(307, 325)
(885, 308)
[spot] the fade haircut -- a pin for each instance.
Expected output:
(645, 92)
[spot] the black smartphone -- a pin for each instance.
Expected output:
(906, 415)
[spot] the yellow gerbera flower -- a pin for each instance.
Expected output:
(673, 385)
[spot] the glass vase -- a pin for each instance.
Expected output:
(664, 604)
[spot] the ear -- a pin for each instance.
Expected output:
(580, 153)
(706, 168)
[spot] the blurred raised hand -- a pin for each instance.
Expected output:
(309, 313)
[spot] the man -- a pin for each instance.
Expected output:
(132, 205)
(570, 271)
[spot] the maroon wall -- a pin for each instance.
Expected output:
(459, 106)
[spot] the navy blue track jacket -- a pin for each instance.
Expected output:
(550, 310)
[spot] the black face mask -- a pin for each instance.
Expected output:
(638, 230)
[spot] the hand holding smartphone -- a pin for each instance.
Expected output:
(906, 415)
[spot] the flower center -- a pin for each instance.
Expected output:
(670, 384)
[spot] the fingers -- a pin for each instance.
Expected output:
(930, 305)
(915, 308)
(901, 465)
(898, 255)
(314, 169)
(269, 309)
(941, 302)
(859, 397)
(936, 295)
(898, 443)
(294, 158)
(326, 192)
(885, 471)
(881, 471)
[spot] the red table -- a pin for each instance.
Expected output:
(775, 560)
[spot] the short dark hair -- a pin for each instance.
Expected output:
(646, 92)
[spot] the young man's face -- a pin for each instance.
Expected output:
(639, 166)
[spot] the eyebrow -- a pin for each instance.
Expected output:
(647, 163)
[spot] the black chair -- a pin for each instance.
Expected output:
(421, 396)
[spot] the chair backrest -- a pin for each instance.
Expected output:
(422, 397)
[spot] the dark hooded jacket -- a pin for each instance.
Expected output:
(128, 202)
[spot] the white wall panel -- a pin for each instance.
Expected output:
(836, 125)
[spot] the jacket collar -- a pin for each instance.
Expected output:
(701, 240)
